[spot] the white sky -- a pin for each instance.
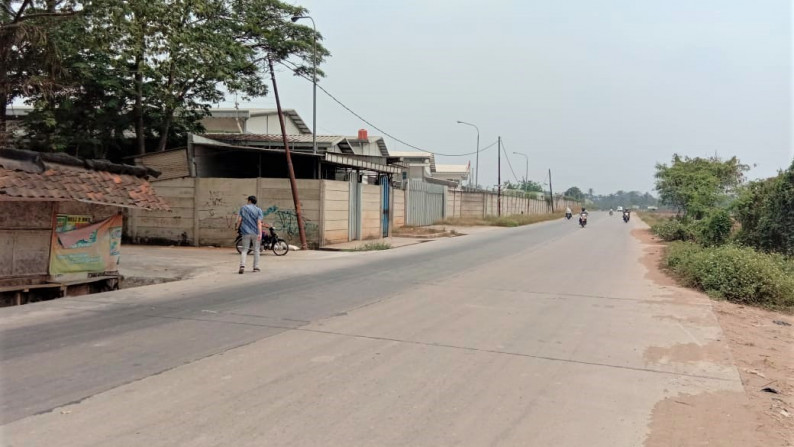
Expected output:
(598, 91)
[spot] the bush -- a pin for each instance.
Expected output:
(715, 229)
(765, 210)
(735, 273)
(674, 230)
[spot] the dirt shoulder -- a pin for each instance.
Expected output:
(763, 352)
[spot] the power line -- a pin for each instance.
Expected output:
(508, 162)
(334, 98)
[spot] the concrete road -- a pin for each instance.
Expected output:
(543, 335)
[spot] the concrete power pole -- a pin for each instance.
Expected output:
(551, 192)
(292, 182)
(499, 178)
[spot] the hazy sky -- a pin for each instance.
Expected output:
(598, 91)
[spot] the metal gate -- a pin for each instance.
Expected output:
(354, 214)
(425, 203)
(385, 188)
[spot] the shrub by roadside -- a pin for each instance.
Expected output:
(714, 229)
(673, 230)
(735, 273)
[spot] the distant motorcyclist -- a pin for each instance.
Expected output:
(568, 212)
(583, 217)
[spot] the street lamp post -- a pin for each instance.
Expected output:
(526, 170)
(477, 158)
(314, 81)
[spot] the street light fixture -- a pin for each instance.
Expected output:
(526, 171)
(477, 158)
(314, 81)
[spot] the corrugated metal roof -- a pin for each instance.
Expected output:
(261, 138)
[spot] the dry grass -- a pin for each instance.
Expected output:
(655, 218)
(416, 231)
(504, 221)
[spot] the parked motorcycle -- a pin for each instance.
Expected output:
(270, 241)
(583, 219)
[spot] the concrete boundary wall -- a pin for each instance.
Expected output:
(483, 203)
(204, 210)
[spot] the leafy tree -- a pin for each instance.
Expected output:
(625, 199)
(29, 58)
(574, 192)
(695, 185)
(765, 210)
(155, 67)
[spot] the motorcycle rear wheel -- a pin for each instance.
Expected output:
(280, 247)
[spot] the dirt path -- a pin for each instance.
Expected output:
(763, 352)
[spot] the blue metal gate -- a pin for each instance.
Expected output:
(384, 181)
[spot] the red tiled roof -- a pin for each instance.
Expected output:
(46, 181)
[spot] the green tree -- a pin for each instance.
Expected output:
(695, 185)
(575, 193)
(765, 210)
(29, 58)
(156, 66)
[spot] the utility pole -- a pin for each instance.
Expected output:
(499, 178)
(551, 192)
(292, 182)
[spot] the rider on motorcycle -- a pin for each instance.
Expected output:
(583, 215)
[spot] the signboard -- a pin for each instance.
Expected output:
(80, 247)
(69, 222)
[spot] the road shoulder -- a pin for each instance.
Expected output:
(763, 352)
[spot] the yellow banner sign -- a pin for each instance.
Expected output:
(89, 248)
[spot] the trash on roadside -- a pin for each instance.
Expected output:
(781, 323)
(757, 373)
(785, 413)
(770, 390)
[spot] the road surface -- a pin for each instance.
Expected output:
(534, 336)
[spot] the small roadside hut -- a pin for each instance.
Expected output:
(61, 223)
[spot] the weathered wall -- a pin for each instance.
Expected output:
(176, 225)
(212, 213)
(371, 212)
(335, 211)
(398, 208)
(219, 199)
(171, 164)
(275, 198)
(25, 235)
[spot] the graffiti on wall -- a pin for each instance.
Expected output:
(285, 222)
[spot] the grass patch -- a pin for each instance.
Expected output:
(655, 218)
(738, 274)
(503, 221)
(373, 246)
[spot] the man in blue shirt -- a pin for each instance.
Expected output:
(249, 224)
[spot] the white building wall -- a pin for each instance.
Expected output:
(269, 125)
